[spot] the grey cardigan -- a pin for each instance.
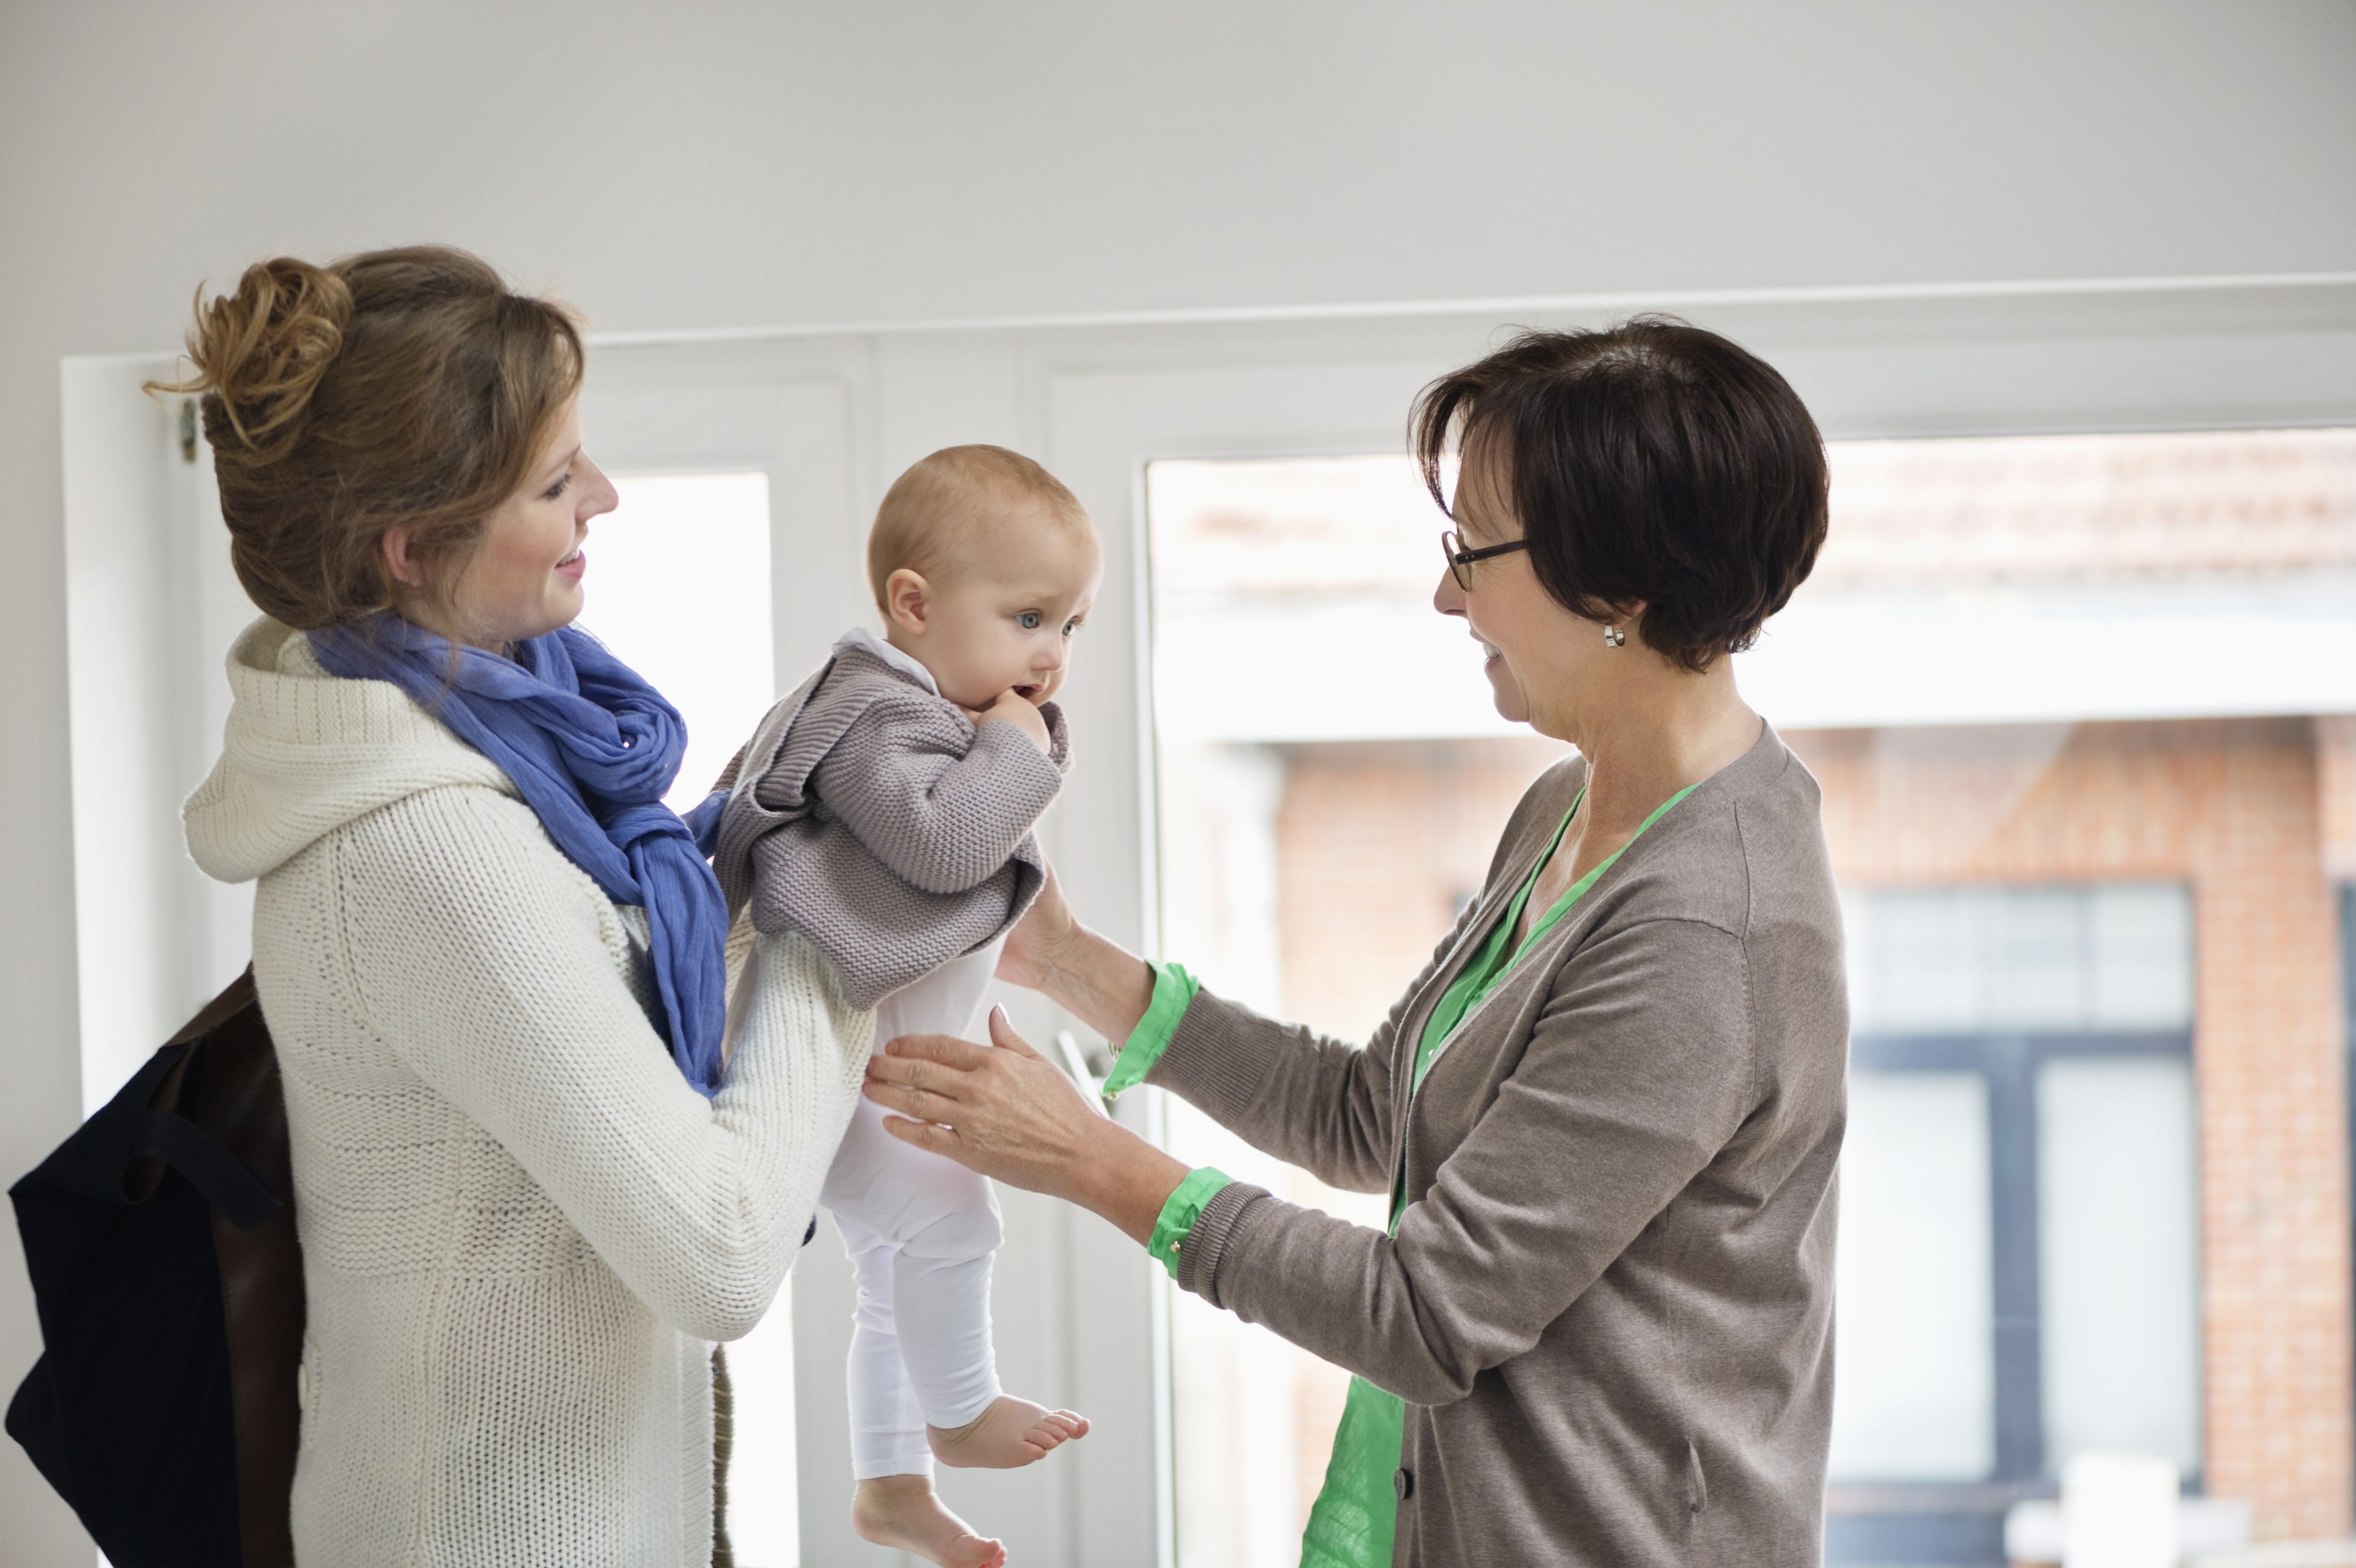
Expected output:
(1608, 1303)
(870, 815)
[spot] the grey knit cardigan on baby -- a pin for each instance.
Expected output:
(880, 822)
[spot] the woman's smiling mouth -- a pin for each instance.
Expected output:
(574, 565)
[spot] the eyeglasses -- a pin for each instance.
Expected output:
(1460, 559)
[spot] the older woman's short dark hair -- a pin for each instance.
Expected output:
(1651, 460)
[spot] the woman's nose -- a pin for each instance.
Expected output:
(598, 496)
(1447, 598)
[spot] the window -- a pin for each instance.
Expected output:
(2019, 1277)
(679, 588)
(1322, 813)
(1915, 1395)
(2077, 860)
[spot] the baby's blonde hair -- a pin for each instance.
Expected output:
(941, 513)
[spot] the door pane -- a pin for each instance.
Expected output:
(2140, 950)
(678, 589)
(1323, 806)
(2118, 1259)
(2060, 958)
(1916, 1378)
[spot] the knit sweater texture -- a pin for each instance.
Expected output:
(871, 816)
(521, 1229)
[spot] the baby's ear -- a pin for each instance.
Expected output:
(907, 599)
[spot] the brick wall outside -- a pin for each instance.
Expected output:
(2335, 763)
(2231, 808)
(1378, 843)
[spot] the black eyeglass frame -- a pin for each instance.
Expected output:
(1460, 558)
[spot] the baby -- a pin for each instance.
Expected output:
(884, 810)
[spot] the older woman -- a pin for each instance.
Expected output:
(1597, 1329)
(529, 1194)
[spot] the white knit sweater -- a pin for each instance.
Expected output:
(520, 1226)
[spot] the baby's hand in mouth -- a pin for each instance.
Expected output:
(1014, 707)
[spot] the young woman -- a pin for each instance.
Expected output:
(529, 1194)
(1598, 1329)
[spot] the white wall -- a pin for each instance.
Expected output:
(728, 164)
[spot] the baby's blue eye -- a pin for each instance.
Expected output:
(1028, 620)
(1071, 625)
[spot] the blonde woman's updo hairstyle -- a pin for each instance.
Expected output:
(405, 386)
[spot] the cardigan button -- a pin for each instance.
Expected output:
(1403, 1482)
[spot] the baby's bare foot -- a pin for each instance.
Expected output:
(902, 1511)
(1010, 1432)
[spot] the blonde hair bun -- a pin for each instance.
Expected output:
(263, 350)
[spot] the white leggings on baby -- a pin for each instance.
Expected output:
(920, 1230)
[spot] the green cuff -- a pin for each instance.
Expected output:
(1179, 1213)
(1174, 991)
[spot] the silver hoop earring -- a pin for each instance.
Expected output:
(1613, 638)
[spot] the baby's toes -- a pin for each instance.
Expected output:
(1054, 1428)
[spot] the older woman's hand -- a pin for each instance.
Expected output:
(1012, 1116)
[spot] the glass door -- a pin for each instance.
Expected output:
(678, 587)
(1329, 777)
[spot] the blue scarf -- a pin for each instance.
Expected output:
(591, 747)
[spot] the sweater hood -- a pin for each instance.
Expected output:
(305, 752)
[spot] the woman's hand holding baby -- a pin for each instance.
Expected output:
(1014, 708)
(1097, 981)
(1012, 1116)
